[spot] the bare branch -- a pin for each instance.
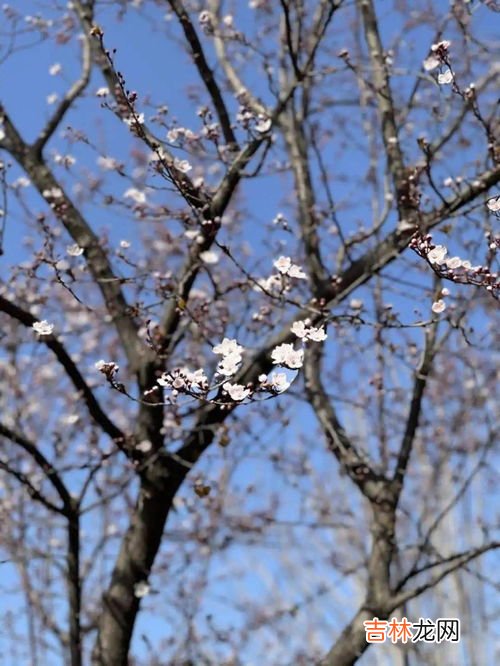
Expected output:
(45, 466)
(234, 80)
(419, 384)
(71, 369)
(50, 189)
(73, 93)
(206, 73)
(385, 103)
(456, 562)
(358, 466)
(293, 129)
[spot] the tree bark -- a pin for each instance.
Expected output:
(74, 588)
(137, 553)
(351, 643)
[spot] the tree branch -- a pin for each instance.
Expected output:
(71, 369)
(24, 480)
(357, 465)
(43, 463)
(419, 384)
(385, 104)
(456, 562)
(75, 91)
(50, 189)
(205, 72)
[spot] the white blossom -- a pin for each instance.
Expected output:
(108, 163)
(52, 98)
(183, 378)
(263, 124)
(55, 69)
(135, 194)
(493, 204)
(164, 380)
(231, 352)
(141, 589)
(296, 272)
(108, 368)
(182, 165)
(65, 160)
(144, 446)
(111, 529)
(317, 334)
(283, 264)
(229, 365)
(304, 332)
(453, 262)
(271, 284)
(43, 327)
(62, 265)
(279, 381)
(299, 329)
(286, 355)
(437, 254)
(443, 45)
(102, 92)
(205, 17)
(52, 193)
(134, 119)
(22, 181)
(197, 379)
(236, 392)
(125, 244)
(209, 257)
(228, 346)
(279, 219)
(74, 250)
(439, 306)
(445, 77)
(172, 135)
(431, 63)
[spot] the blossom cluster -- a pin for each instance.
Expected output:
(108, 368)
(184, 379)
(285, 266)
(288, 356)
(305, 332)
(456, 269)
(196, 383)
(279, 283)
(231, 353)
(439, 58)
(248, 119)
(43, 327)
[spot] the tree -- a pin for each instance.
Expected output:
(235, 345)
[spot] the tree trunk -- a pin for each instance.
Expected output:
(74, 588)
(137, 553)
